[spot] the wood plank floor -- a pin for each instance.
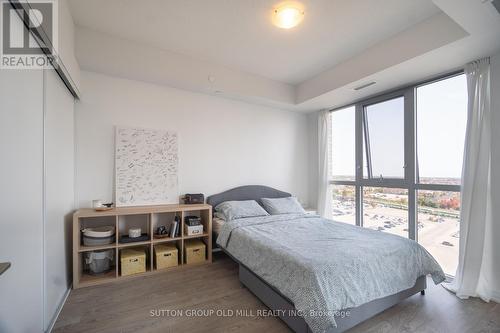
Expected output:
(141, 305)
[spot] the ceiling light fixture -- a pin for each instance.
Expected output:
(287, 15)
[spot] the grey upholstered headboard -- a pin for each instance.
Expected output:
(248, 192)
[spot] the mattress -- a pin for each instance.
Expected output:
(324, 266)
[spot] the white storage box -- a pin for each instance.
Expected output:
(193, 230)
(98, 236)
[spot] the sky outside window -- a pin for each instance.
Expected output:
(385, 126)
(441, 123)
(343, 144)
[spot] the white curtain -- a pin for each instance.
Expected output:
(472, 278)
(324, 190)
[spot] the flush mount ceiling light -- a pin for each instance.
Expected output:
(288, 14)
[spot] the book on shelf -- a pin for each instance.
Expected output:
(173, 229)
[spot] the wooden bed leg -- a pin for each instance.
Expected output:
(422, 292)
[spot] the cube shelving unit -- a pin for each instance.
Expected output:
(148, 218)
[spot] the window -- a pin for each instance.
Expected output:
(441, 121)
(441, 112)
(344, 203)
(439, 222)
(343, 143)
(383, 131)
(386, 209)
(397, 162)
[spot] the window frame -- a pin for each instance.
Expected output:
(410, 182)
(407, 94)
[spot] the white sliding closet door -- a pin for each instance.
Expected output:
(21, 199)
(59, 191)
(36, 195)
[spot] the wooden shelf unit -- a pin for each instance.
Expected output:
(156, 215)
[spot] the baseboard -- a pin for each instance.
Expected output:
(495, 296)
(56, 315)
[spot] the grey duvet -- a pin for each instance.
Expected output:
(324, 266)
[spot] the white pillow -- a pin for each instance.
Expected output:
(232, 210)
(289, 205)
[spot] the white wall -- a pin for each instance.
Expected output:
(222, 143)
(495, 172)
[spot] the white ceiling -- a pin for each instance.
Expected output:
(230, 48)
(239, 33)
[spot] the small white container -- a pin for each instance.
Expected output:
(134, 232)
(97, 203)
(193, 230)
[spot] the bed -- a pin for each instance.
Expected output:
(319, 275)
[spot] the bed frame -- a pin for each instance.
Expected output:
(272, 297)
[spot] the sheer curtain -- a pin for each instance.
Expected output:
(324, 188)
(475, 253)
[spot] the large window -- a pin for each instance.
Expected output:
(397, 161)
